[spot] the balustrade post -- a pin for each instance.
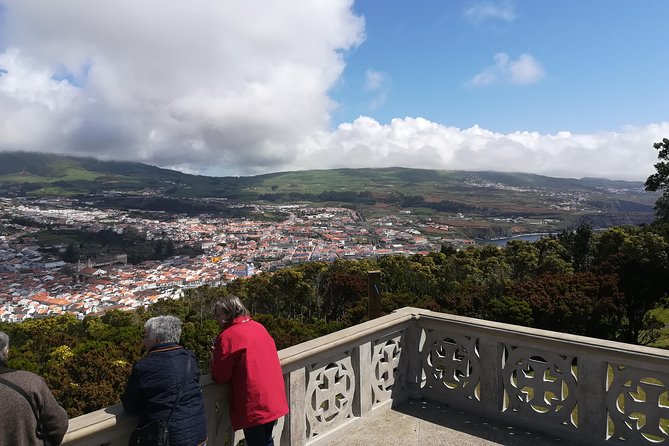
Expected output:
(491, 385)
(363, 379)
(413, 352)
(295, 426)
(591, 400)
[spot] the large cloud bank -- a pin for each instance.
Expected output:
(240, 88)
(419, 143)
(179, 82)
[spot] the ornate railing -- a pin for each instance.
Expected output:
(584, 390)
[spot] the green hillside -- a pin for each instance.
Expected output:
(51, 174)
(372, 191)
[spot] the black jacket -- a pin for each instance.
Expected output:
(152, 390)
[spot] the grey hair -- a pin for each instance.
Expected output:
(4, 346)
(232, 305)
(164, 328)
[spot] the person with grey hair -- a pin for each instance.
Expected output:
(160, 378)
(29, 413)
(245, 357)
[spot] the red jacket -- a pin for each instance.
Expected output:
(245, 357)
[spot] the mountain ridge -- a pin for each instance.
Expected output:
(495, 198)
(47, 164)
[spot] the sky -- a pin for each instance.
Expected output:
(217, 87)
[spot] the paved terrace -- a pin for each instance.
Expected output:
(425, 422)
(420, 377)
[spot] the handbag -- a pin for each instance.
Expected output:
(156, 433)
(40, 429)
(153, 433)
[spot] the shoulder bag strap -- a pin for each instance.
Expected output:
(188, 358)
(23, 393)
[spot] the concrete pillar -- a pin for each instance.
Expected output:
(295, 428)
(492, 387)
(363, 373)
(413, 353)
(591, 397)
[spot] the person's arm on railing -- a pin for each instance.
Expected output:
(221, 363)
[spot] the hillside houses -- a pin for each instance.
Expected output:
(233, 248)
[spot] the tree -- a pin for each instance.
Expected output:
(284, 293)
(496, 275)
(88, 377)
(609, 243)
(462, 269)
(579, 303)
(448, 249)
(580, 245)
(158, 249)
(642, 266)
(523, 258)
(170, 250)
(71, 254)
(660, 180)
(342, 287)
(401, 274)
(509, 310)
(553, 257)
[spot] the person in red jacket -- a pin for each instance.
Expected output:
(245, 357)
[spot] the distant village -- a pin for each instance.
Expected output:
(36, 284)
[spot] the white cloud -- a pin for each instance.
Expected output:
(524, 70)
(419, 143)
(376, 82)
(227, 87)
(481, 11)
(172, 83)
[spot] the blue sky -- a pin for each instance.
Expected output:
(569, 88)
(605, 64)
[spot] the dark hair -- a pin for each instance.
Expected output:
(232, 305)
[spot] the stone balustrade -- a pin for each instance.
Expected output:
(583, 390)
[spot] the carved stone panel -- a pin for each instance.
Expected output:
(450, 363)
(388, 367)
(540, 384)
(638, 405)
(330, 392)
